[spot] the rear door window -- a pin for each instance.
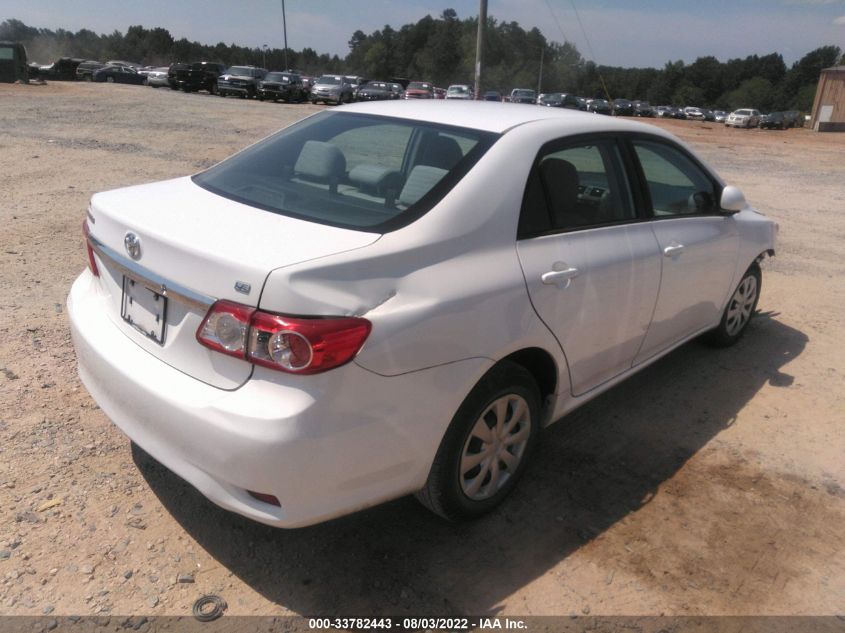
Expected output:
(576, 187)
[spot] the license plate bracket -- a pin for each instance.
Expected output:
(144, 309)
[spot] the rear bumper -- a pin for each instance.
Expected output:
(324, 445)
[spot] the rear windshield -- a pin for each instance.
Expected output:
(326, 80)
(356, 171)
(418, 85)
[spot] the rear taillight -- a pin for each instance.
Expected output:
(294, 345)
(92, 263)
(224, 329)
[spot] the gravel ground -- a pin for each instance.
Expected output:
(710, 483)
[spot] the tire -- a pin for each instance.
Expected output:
(462, 483)
(213, 89)
(110, 80)
(88, 78)
(739, 311)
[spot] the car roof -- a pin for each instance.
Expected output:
(492, 116)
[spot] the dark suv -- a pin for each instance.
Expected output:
(241, 81)
(285, 86)
(195, 76)
(623, 107)
(85, 71)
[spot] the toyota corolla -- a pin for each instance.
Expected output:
(396, 298)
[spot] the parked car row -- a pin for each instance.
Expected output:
(291, 86)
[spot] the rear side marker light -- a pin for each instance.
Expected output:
(92, 263)
(292, 345)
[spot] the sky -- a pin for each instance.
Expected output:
(618, 32)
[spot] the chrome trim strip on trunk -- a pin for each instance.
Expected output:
(149, 279)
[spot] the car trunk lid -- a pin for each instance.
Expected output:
(194, 247)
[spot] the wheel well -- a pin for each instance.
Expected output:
(540, 365)
(770, 252)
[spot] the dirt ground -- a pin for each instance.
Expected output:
(710, 483)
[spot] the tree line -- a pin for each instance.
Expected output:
(442, 50)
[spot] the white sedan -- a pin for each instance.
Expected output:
(395, 297)
(745, 118)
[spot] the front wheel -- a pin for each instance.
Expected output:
(739, 311)
(487, 445)
(110, 80)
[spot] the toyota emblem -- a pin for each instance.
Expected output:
(133, 245)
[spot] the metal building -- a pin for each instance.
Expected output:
(829, 105)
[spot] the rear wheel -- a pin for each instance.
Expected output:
(110, 80)
(487, 446)
(739, 311)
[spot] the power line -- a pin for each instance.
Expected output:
(554, 17)
(589, 47)
(583, 30)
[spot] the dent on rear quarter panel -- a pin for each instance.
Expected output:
(445, 288)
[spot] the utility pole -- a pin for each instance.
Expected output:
(264, 56)
(285, 31)
(479, 45)
(540, 78)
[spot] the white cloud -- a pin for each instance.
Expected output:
(840, 20)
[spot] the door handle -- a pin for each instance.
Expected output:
(673, 249)
(556, 276)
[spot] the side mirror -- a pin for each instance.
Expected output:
(732, 200)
